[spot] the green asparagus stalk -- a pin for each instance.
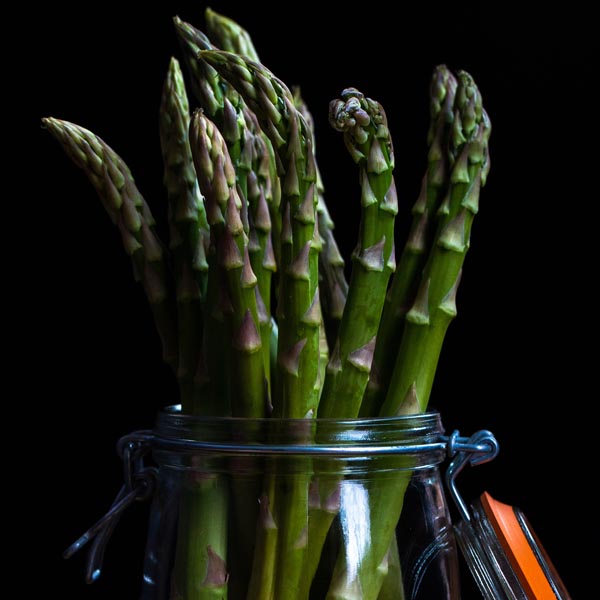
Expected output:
(200, 568)
(205, 82)
(367, 138)
(189, 233)
(434, 306)
(217, 99)
(128, 210)
(229, 35)
(392, 587)
(413, 257)
(260, 245)
(229, 237)
(333, 286)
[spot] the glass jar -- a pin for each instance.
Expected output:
(293, 509)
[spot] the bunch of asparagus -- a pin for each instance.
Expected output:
(250, 298)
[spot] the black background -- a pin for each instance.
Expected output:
(517, 360)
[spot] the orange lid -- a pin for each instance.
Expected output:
(517, 549)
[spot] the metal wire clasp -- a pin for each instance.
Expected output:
(139, 483)
(480, 448)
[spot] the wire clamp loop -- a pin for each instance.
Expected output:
(139, 484)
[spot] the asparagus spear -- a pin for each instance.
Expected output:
(189, 233)
(434, 306)
(333, 286)
(229, 238)
(200, 567)
(229, 35)
(367, 138)
(260, 246)
(413, 257)
(127, 209)
(204, 80)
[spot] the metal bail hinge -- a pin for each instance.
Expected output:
(140, 481)
(480, 448)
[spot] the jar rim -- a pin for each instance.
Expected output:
(174, 411)
(405, 434)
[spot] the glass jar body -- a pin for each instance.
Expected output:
(281, 509)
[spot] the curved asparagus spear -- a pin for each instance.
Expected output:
(204, 80)
(129, 212)
(229, 35)
(189, 233)
(367, 138)
(434, 306)
(410, 263)
(217, 99)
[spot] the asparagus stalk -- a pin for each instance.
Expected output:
(229, 35)
(392, 587)
(333, 286)
(205, 82)
(217, 99)
(229, 238)
(367, 138)
(434, 306)
(200, 567)
(413, 257)
(128, 210)
(260, 246)
(189, 233)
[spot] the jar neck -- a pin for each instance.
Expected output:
(417, 436)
